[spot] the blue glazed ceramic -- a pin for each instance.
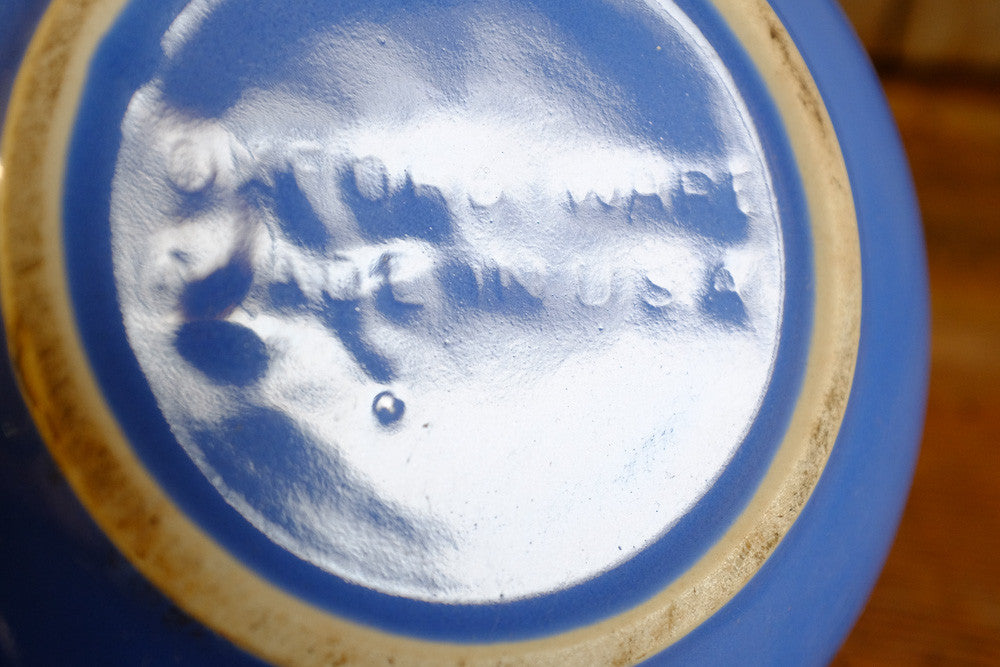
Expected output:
(450, 332)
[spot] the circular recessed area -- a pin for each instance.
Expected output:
(464, 321)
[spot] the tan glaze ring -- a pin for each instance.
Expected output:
(83, 436)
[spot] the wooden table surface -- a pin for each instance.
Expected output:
(938, 599)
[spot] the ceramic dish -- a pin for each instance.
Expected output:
(451, 332)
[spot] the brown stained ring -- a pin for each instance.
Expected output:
(228, 597)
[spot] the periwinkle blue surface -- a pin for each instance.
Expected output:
(800, 606)
(226, 352)
(218, 293)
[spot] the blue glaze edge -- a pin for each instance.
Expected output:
(596, 599)
(801, 605)
(18, 19)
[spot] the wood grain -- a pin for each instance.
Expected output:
(960, 33)
(929, 33)
(938, 600)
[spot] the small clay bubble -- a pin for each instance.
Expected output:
(388, 408)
